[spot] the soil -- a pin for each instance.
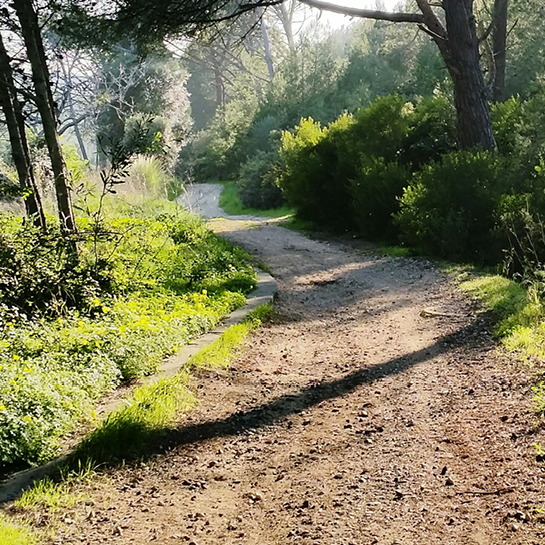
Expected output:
(376, 408)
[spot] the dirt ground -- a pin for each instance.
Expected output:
(375, 410)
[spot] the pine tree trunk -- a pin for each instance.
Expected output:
(17, 136)
(44, 101)
(474, 125)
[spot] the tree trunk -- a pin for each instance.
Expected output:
(266, 43)
(474, 125)
(32, 38)
(499, 42)
(17, 136)
(67, 73)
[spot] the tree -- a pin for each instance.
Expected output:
(458, 44)
(43, 96)
(12, 108)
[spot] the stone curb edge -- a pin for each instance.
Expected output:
(264, 293)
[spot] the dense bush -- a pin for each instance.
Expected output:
(257, 184)
(449, 208)
(349, 174)
(375, 191)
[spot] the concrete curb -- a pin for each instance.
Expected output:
(264, 293)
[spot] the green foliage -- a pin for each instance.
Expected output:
(156, 283)
(77, 167)
(375, 191)
(448, 209)
(37, 275)
(350, 174)
(127, 432)
(230, 202)
(256, 183)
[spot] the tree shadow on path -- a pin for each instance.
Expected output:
(274, 411)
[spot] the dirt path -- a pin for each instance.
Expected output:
(376, 410)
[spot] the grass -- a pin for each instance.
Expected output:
(396, 251)
(153, 408)
(127, 432)
(167, 280)
(520, 327)
(13, 534)
(223, 350)
(229, 201)
(299, 225)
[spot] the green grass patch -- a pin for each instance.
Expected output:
(299, 225)
(127, 432)
(514, 306)
(229, 201)
(13, 534)
(153, 408)
(223, 350)
(395, 251)
(520, 327)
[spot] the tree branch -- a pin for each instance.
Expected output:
(366, 13)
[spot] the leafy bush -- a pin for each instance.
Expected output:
(257, 185)
(302, 167)
(37, 276)
(327, 168)
(448, 209)
(375, 190)
(432, 131)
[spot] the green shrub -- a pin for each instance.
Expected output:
(431, 133)
(375, 191)
(448, 209)
(302, 167)
(327, 168)
(256, 183)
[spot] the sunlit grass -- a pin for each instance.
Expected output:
(13, 534)
(153, 408)
(520, 327)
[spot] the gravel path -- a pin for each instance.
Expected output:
(375, 410)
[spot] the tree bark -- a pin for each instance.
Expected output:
(499, 46)
(474, 125)
(12, 109)
(32, 38)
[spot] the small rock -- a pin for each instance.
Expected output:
(449, 482)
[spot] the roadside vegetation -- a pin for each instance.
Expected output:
(151, 280)
(230, 202)
(128, 432)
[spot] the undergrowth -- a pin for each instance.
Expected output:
(230, 202)
(151, 279)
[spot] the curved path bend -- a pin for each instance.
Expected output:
(376, 409)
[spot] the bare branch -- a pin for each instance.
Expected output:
(367, 13)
